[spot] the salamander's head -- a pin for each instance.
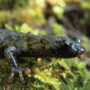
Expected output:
(71, 48)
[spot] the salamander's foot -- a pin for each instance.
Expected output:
(16, 70)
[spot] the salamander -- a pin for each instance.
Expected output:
(16, 44)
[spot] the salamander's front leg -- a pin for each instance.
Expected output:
(9, 54)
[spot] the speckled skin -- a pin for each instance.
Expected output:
(40, 46)
(51, 46)
(20, 44)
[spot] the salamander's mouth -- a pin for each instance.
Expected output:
(81, 51)
(78, 49)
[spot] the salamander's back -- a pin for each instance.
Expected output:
(9, 38)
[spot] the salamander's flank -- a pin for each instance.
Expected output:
(18, 44)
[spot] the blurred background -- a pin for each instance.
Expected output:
(50, 17)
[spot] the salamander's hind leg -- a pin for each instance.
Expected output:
(9, 54)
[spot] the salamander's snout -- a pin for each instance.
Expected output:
(82, 50)
(79, 49)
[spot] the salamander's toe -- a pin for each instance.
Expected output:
(16, 70)
(10, 79)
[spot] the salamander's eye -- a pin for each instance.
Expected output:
(68, 43)
(65, 47)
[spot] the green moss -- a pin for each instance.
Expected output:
(57, 29)
(74, 74)
(85, 4)
(4, 17)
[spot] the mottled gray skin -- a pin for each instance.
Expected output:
(15, 43)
